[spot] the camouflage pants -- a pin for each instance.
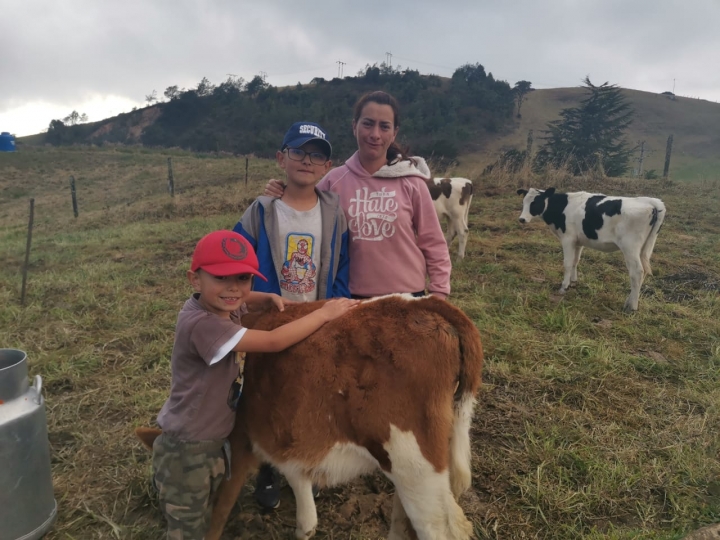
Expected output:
(187, 477)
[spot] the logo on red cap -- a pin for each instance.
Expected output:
(233, 248)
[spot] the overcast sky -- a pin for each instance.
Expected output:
(103, 57)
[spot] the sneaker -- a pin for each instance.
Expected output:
(267, 487)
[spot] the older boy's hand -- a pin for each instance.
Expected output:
(337, 307)
(279, 302)
(274, 188)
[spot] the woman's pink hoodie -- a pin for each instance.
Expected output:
(396, 242)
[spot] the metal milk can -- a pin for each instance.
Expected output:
(27, 504)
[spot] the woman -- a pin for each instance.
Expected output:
(396, 243)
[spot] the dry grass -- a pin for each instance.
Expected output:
(591, 423)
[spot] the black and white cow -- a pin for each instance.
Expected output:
(581, 219)
(452, 197)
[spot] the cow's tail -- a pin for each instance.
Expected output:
(468, 384)
(147, 436)
(657, 218)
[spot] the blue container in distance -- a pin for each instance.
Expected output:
(27, 503)
(7, 142)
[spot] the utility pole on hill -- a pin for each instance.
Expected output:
(340, 64)
(388, 57)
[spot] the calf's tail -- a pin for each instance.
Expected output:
(147, 436)
(657, 218)
(468, 384)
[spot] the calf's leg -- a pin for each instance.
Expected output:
(569, 263)
(424, 494)
(400, 526)
(573, 276)
(242, 461)
(305, 511)
(462, 236)
(637, 274)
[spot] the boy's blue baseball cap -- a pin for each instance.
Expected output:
(303, 132)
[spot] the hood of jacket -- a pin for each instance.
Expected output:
(397, 169)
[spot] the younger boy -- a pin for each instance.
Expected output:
(301, 240)
(189, 458)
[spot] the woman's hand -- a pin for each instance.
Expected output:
(274, 188)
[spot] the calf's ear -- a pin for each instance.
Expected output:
(549, 191)
(522, 191)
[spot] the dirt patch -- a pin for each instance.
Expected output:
(685, 285)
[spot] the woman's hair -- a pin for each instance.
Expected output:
(383, 98)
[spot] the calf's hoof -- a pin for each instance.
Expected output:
(301, 535)
(629, 308)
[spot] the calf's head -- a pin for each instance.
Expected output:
(534, 203)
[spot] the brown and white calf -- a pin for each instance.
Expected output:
(597, 221)
(452, 198)
(390, 385)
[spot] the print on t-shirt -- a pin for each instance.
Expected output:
(372, 214)
(298, 270)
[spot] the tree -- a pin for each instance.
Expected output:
(204, 87)
(74, 118)
(151, 98)
(256, 85)
(521, 89)
(172, 92)
(591, 136)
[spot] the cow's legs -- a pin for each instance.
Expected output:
(573, 276)
(462, 232)
(569, 258)
(424, 494)
(637, 274)
(400, 526)
(452, 231)
(241, 463)
(305, 510)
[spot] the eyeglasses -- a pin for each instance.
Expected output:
(298, 154)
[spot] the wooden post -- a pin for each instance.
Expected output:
(528, 150)
(171, 180)
(668, 151)
(642, 156)
(27, 251)
(74, 195)
(246, 171)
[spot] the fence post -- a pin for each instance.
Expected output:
(171, 180)
(246, 171)
(668, 151)
(27, 251)
(74, 196)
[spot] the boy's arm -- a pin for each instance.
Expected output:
(289, 334)
(248, 224)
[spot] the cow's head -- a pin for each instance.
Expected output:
(534, 203)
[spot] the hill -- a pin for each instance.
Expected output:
(694, 124)
(468, 117)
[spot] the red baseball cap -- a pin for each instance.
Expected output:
(225, 253)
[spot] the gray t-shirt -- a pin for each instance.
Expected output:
(203, 369)
(301, 238)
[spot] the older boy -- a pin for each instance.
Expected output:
(301, 240)
(206, 363)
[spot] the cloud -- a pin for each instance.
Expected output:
(67, 53)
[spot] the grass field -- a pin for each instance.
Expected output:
(591, 423)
